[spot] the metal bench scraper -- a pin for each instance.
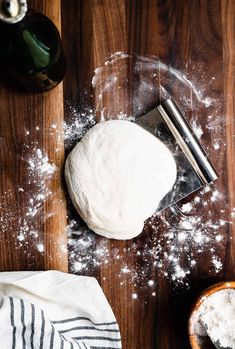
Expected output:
(194, 169)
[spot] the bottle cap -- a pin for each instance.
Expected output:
(12, 11)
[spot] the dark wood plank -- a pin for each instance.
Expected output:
(192, 38)
(195, 38)
(228, 13)
(35, 113)
(55, 207)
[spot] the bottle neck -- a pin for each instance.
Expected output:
(12, 11)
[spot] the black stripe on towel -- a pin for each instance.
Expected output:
(23, 323)
(98, 338)
(42, 330)
(12, 323)
(52, 337)
(62, 344)
(84, 318)
(67, 340)
(88, 328)
(64, 339)
(32, 326)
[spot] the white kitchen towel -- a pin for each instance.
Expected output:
(55, 310)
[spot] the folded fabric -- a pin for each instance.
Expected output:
(55, 310)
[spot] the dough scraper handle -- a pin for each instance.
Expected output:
(187, 140)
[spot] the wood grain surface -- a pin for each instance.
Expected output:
(194, 37)
(21, 111)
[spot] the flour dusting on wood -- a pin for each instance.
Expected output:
(39, 171)
(171, 246)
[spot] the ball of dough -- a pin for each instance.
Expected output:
(116, 177)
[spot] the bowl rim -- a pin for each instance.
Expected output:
(199, 300)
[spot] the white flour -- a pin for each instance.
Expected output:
(216, 317)
(78, 124)
(176, 249)
(171, 247)
(38, 171)
(186, 242)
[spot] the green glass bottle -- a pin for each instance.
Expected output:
(31, 48)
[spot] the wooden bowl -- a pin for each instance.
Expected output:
(208, 292)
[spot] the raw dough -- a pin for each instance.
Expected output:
(116, 177)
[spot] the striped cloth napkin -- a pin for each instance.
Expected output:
(54, 310)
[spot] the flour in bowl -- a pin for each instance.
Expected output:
(216, 318)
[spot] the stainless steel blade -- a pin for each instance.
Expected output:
(194, 170)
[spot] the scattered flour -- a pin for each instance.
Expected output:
(171, 245)
(217, 262)
(134, 296)
(172, 252)
(216, 146)
(197, 129)
(186, 208)
(78, 124)
(38, 171)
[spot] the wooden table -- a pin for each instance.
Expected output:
(194, 37)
